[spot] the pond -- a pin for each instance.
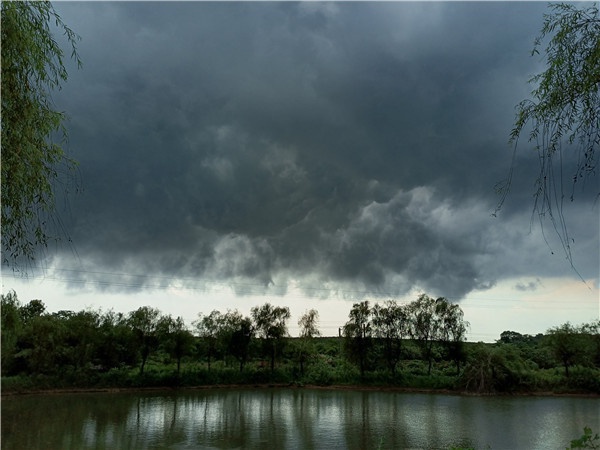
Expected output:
(277, 418)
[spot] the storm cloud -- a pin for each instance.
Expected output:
(336, 146)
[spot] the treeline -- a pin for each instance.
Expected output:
(417, 345)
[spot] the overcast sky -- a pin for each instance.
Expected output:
(308, 154)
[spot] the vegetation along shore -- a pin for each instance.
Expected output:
(419, 346)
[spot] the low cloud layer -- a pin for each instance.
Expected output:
(350, 146)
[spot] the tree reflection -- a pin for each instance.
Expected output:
(287, 419)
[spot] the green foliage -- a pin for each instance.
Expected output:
(512, 367)
(452, 330)
(40, 349)
(270, 324)
(11, 328)
(145, 322)
(239, 338)
(390, 325)
(358, 333)
(320, 373)
(104, 349)
(175, 338)
(492, 369)
(31, 310)
(584, 379)
(565, 109)
(566, 342)
(32, 66)
(590, 333)
(309, 330)
(115, 343)
(437, 321)
(211, 330)
(309, 324)
(588, 440)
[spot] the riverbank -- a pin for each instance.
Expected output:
(356, 387)
(487, 370)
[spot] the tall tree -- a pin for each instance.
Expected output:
(567, 345)
(178, 340)
(357, 333)
(41, 344)
(209, 329)
(11, 325)
(238, 333)
(145, 324)
(81, 336)
(390, 325)
(425, 325)
(592, 331)
(452, 329)
(32, 67)
(309, 329)
(564, 112)
(270, 323)
(309, 324)
(31, 310)
(116, 344)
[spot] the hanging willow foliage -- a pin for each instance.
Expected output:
(564, 113)
(32, 161)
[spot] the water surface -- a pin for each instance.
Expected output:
(292, 419)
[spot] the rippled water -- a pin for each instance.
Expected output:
(292, 419)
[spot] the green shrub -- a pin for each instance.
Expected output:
(588, 440)
(16, 383)
(584, 378)
(318, 374)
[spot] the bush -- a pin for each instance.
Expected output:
(492, 369)
(585, 379)
(16, 383)
(588, 440)
(116, 377)
(319, 374)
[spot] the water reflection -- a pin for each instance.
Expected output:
(290, 419)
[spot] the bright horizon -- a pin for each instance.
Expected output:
(488, 312)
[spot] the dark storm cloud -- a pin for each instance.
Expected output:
(339, 145)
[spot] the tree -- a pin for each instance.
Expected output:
(31, 310)
(41, 345)
(10, 328)
(565, 109)
(238, 333)
(357, 333)
(452, 329)
(308, 324)
(566, 344)
(145, 324)
(492, 369)
(425, 325)
(116, 344)
(81, 336)
(511, 337)
(309, 329)
(178, 340)
(592, 332)
(32, 66)
(390, 324)
(270, 323)
(209, 329)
